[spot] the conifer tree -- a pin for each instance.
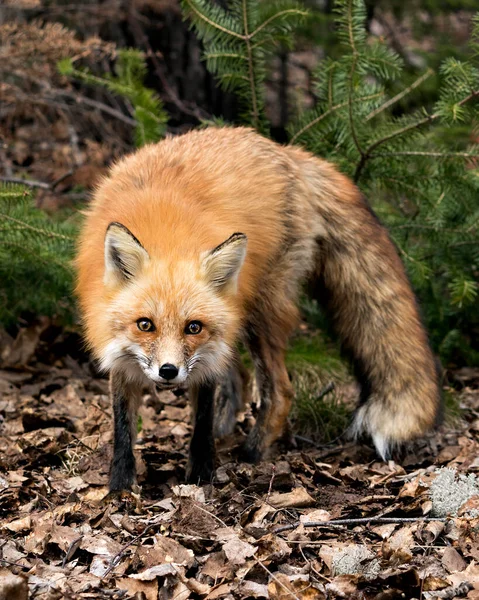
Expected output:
(238, 41)
(420, 178)
(35, 259)
(128, 82)
(422, 182)
(36, 251)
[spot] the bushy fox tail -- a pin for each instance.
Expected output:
(362, 284)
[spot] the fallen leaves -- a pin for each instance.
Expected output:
(259, 531)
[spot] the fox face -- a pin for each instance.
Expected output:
(173, 322)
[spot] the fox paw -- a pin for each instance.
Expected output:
(198, 471)
(128, 498)
(252, 449)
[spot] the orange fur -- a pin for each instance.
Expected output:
(304, 221)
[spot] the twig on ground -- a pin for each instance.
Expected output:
(116, 559)
(273, 576)
(271, 483)
(212, 515)
(14, 564)
(358, 521)
(72, 548)
(329, 387)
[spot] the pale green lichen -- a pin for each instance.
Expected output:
(355, 560)
(449, 490)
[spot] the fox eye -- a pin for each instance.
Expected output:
(193, 327)
(145, 325)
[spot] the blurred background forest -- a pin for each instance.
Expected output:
(387, 89)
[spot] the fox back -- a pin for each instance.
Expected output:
(201, 240)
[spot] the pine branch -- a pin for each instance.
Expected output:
(238, 41)
(28, 182)
(425, 121)
(42, 231)
(400, 95)
(292, 11)
(329, 112)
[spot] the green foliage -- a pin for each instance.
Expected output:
(35, 255)
(130, 72)
(415, 163)
(238, 41)
(423, 183)
(320, 412)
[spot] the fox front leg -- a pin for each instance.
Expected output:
(126, 398)
(276, 394)
(202, 454)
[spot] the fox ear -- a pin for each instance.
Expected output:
(222, 264)
(124, 255)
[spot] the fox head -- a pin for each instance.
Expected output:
(173, 321)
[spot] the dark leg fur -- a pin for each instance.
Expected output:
(275, 392)
(201, 462)
(230, 398)
(125, 411)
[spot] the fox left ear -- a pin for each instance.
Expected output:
(124, 255)
(222, 264)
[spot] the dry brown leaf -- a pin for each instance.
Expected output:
(68, 485)
(25, 344)
(452, 561)
(401, 541)
(64, 536)
(432, 583)
(135, 586)
(238, 551)
(166, 550)
(315, 515)
(384, 531)
(272, 548)
(471, 506)
(157, 571)
(219, 592)
(217, 567)
(428, 532)
(100, 544)
(23, 524)
(251, 589)
(344, 586)
(469, 574)
(297, 498)
(190, 491)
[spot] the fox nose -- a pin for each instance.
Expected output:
(168, 371)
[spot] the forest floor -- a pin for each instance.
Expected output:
(314, 522)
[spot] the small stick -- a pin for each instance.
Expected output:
(14, 564)
(271, 483)
(272, 575)
(72, 548)
(116, 559)
(359, 521)
(329, 387)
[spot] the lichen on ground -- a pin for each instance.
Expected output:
(356, 559)
(450, 490)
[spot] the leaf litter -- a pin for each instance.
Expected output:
(312, 522)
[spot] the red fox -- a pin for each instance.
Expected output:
(204, 240)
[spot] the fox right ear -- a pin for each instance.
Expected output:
(223, 264)
(124, 255)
